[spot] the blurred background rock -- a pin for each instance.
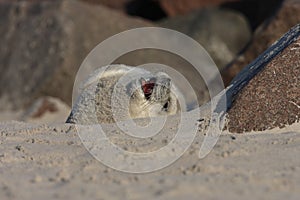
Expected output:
(287, 16)
(44, 42)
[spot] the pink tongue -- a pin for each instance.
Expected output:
(147, 88)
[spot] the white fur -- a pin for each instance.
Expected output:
(94, 103)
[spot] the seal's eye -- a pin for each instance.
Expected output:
(147, 87)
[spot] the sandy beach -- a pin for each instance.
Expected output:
(50, 162)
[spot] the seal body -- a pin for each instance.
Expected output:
(118, 92)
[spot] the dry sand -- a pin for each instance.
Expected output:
(50, 162)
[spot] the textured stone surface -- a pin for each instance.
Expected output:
(256, 11)
(47, 41)
(267, 34)
(44, 43)
(272, 98)
(118, 4)
(115, 4)
(222, 32)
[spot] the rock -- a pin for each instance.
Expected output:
(181, 7)
(147, 9)
(43, 44)
(159, 9)
(256, 11)
(222, 32)
(287, 17)
(8, 1)
(46, 110)
(115, 4)
(272, 98)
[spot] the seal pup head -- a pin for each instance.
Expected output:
(153, 97)
(141, 94)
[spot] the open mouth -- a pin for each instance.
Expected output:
(147, 87)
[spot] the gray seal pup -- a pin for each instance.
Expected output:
(119, 92)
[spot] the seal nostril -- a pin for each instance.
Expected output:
(147, 95)
(166, 105)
